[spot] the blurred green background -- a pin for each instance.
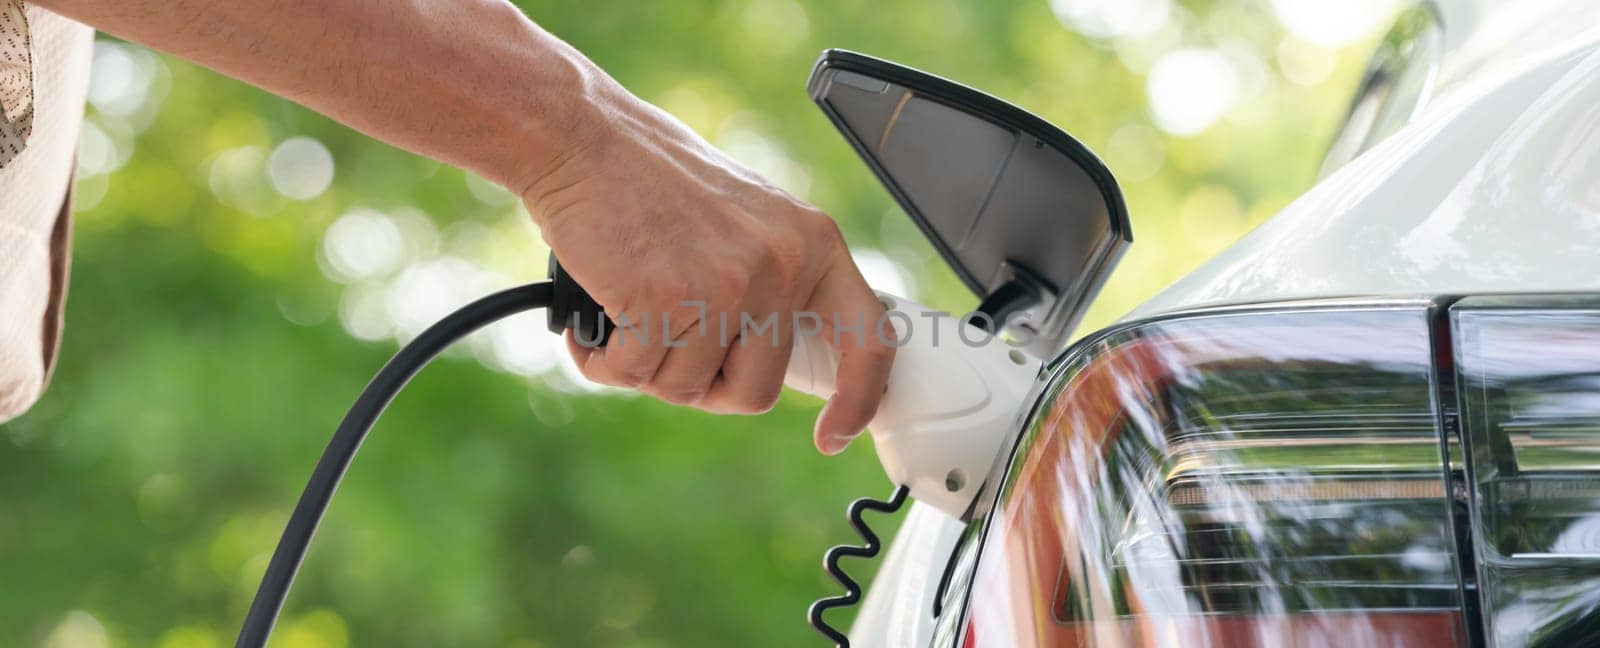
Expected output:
(243, 266)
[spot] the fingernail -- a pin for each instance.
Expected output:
(836, 444)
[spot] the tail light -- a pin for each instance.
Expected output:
(1528, 370)
(1269, 478)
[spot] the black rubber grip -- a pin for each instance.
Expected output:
(571, 307)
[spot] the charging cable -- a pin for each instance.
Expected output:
(869, 550)
(353, 429)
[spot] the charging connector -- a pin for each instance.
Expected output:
(955, 394)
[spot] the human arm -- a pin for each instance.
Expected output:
(642, 211)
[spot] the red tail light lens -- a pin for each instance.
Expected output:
(1528, 376)
(1243, 479)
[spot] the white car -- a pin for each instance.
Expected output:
(1375, 420)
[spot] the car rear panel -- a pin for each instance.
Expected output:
(1272, 477)
(1416, 473)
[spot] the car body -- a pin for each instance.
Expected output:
(1369, 420)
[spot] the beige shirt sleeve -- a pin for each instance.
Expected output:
(45, 62)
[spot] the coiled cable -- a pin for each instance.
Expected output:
(830, 562)
(353, 430)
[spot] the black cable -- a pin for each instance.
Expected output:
(1010, 298)
(950, 569)
(830, 562)
(347, 440)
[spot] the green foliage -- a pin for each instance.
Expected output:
(205, 363)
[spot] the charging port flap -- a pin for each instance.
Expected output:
(1026, 215)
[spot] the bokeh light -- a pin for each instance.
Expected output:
(882, 273)
(743, 137)
(100, 153)
(1191, 89)
(1134, 152)
(121, 78)
(238, 179)
(1334, 23)
(427, 290)
(300, 168)
(363, 244)
(1305, 63)
(79, 629)
(1112, 18)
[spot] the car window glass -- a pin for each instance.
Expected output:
(1398, 82)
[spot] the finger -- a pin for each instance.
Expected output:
(691, 364)
(631, 357)
(752, 373)
(864, 339)
(579, 351)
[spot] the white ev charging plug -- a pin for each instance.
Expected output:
(952, 406)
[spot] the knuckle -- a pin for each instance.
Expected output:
(761, 400)
(624, 380)
(783, 252)
(825, 231)
(629, 376)
(631, 379)
(729, 282)
(879, 352)
(682, 395)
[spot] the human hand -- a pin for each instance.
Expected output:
(642, 212)
(691, 253)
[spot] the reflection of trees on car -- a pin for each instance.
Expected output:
(1233, 479)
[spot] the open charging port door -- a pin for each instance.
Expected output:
(1030, 220)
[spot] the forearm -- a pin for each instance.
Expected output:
(472, 83)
